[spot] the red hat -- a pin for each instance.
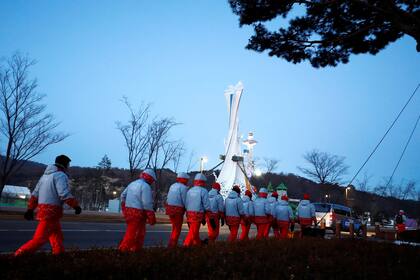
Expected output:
(284, 197)
(306, 196)
(248, 193)
(237, 189)
(216, 186)
(275, 194)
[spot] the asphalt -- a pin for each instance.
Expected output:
(85, 235)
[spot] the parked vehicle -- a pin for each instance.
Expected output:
(332, 213)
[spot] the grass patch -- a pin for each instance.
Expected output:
(266, 259)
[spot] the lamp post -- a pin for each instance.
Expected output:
(347, 194)
(203, 160)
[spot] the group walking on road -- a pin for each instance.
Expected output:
(199, 206)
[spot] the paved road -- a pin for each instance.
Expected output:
(86, 235)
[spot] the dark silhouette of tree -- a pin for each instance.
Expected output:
(324, 168)
(327, 32)
(270, 164)
(105, 164)
(135, 133)
(26, 130)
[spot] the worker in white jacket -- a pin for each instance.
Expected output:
(262, 212)
(137, 207)
(283, 215)
(234, 212)
(49, 196)
(175, 206)
(216, 213)
(197, 204)
(249, 214)
(305, 213)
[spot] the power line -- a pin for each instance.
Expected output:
(402, 154)
(386, 133)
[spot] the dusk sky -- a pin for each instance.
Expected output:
(181, 56)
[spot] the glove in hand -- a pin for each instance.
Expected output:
(29, 215)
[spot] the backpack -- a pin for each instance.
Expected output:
(399, 219)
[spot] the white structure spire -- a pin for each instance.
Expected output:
(231, 174)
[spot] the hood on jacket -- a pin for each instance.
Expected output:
(213, 193)
(50, 169)
(233, 194)
(271, 199)
(304, 202)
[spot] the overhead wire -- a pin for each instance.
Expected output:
(403, 152)
(383, 137)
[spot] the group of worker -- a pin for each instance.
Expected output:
(198, 205)
(208, 207)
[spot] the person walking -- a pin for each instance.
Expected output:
(305, 214)
(49, 195)
(175, 206)
(262, 212)
(234, 212)
(216, 213)
(197, 204)
(283, 215)
(249, 213)
(137, 208)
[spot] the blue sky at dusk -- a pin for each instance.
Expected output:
(181, 56)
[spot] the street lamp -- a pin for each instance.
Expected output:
(114, 193)
(258, 172)
(347, 190)
(203, 160)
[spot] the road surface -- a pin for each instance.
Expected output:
(85, 235)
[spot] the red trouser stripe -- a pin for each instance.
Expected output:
(176, 221)
(193, 236)
(134, 236)
(213, 233)
(245, 231)
(233, 232)
(283, 228)
(47, 230)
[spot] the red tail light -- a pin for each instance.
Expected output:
(332, 217)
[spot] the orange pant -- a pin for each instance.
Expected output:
(47, 230)
(245, 231)
(134, 236)
(233, 233)
(213, 233)
(176, 221)
(262, 230)
(283, 227)
(193, 236)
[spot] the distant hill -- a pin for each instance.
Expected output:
(94, 187)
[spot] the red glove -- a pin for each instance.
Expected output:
(32, 203)
(151, 218)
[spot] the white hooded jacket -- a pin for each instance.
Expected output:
(138, 194)
(53, 187)
(197, 200)
(216, 202)
(283, 212)
(305, 209)
(248, 206)
(261, 207)
(234, 205)
(177, 195)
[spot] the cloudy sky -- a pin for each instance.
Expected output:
(181, 56)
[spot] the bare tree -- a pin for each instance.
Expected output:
(135, 133)
(178, 156)
(161, 151)
(191, 163)
(409, 190)
(270, 164)
(363, 183)
(25, 127)
(324, 167)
